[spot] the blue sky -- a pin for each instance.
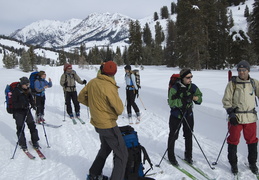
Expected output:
(17, 14)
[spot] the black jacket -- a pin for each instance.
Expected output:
(22, 99)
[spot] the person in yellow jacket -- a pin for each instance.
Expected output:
(239, 102)
(102, 97)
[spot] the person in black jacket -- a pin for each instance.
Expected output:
(22, 101)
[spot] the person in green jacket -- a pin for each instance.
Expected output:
(239, 102)
(102, 97)
(180, 98)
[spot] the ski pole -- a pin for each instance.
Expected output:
(216, 162)
(178, 128)
(45, 135)
(198, 142)
(23, 126)
(142, 103)
(65, 94)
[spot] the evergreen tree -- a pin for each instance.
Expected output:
(159, 34)
(173, 8)
(62, 58)
(254, 27)
(164, 12)
(147, 36)
(230, 19)
(135, 47)
(246, 13)
(191, 35)
(24, 63)
(32, 58)
(155, 16)
(217, 29)
(170, 50)
(117, 57)
(239, 48)
(10, 61)
(125, 56)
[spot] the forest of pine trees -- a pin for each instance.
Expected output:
(199, 39)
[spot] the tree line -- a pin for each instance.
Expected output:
(200, 38)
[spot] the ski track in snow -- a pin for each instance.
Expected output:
(74, 147)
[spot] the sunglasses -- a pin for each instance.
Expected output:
(242, 70)
(69, 68)
(189, 77)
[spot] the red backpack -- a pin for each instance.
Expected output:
(173, 79)
(8, 96)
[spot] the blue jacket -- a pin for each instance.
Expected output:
(39, 85)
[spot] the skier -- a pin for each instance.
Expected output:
(102, 98)
(68, 82)
(40, 86)
(22, 100)
(180, 98)
(239, 102)
(131, 93)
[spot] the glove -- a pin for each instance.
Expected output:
(232, 116)
(84, 81)
(136, 92)
(233, 119)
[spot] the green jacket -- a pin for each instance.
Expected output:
(241, 96)
(180, 98)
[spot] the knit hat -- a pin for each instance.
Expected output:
(109, 68)
(127, 67)
(184, 72)
(24, 80)
(243, 64)
(41, 73)
(66, 66)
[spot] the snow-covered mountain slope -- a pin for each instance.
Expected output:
(73, 147)
(102, 29)
(99, 29)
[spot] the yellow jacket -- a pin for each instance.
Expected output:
(102, 97)
(242, 97)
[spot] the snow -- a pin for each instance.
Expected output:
(74, 147)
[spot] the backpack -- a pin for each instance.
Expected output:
(8, 96)
(134, 168)
(137, 77)
(173, 79)
(33, 77)
(234, 82)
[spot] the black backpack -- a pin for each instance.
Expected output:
(134, 168)
(137, 77)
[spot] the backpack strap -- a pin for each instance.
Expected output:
(252, 81)
(146, 157)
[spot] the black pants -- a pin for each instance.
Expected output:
(174, 126)
(131, 96)
(40, 104)
(72, 96)
(19, 119)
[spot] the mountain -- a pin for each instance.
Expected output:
(103, 29)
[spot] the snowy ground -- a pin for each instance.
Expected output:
(73, 147)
